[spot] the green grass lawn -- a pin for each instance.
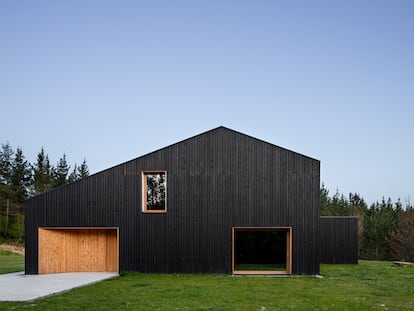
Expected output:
(10, 262)
(259, 267)
(367, 286)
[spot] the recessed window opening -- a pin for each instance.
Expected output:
(261, 250)
(154, 192)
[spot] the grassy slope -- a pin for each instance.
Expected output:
(10, 262)
(367, 286)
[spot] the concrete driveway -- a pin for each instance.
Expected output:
(20, 287)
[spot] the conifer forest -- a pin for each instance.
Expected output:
(386, 228)
(20, 179)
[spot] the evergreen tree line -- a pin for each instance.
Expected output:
(386, 229)
(20, 179)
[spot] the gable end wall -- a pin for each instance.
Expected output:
(216, 181)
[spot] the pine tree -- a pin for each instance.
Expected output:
(21, 175)
(358, 207)
(83, 170)
(12, 192)
(325, 201)
(61, 172)
(42, 173)
(339, 205)
(74, 174)
(19, 179)
(79, 172)
(6, 159)
(161, 189)
(380, 220)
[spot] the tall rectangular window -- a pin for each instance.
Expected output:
(154, 192)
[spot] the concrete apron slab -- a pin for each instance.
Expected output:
(20, 287)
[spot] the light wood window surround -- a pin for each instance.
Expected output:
(258, 250)
(154, 191)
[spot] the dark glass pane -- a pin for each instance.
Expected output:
(260, 250)
(156, 190)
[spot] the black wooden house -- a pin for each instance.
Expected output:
(219, 202)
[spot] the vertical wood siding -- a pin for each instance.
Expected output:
(216, 181)
(339, 240)
(78, 250)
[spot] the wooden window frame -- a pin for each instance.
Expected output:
(288, 270)
(144, 191)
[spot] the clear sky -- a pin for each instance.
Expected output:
(112, 80)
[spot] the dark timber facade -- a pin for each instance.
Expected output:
(216, 181)
(339, 240)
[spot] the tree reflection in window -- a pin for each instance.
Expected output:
(155, 191)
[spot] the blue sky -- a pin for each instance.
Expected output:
(112, 80)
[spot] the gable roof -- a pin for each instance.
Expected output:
(220, 129)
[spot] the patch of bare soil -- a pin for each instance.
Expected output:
(16, 249)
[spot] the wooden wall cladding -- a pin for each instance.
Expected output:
(339, 240)
(216, 181)
(78, 250)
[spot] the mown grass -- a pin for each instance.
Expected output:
(260, 267)
(367, 286)
(10, 262)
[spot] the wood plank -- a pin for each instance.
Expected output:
(218, 180)
(402, 263)
(112, 251)
(78, 250)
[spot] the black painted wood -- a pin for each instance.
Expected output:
(339, 240)
(216, 180)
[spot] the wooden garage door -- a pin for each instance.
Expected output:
(78, 250)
